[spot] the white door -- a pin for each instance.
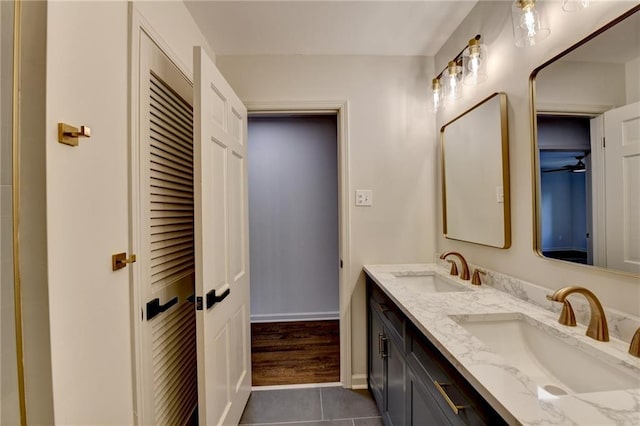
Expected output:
(222, 255)
(164, 271)
(622, 181)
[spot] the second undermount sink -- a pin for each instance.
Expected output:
(430, 282)
(539, 351)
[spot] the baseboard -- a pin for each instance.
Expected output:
(307, 316)
(359, 381)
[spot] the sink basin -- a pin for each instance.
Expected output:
(430, 282)
(538, 351)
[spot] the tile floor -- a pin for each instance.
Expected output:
(328, 406)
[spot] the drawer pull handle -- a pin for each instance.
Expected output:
(455, 408)
(382, 345)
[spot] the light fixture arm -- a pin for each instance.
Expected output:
(457, 58)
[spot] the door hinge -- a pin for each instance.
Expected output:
(604, 142)
(341, 264)
(199, 303)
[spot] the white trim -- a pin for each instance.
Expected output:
(572, 109)
(299, 316)
(359, 381)
(300, 386)
(345, 287)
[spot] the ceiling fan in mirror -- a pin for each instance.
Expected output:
(579, 167)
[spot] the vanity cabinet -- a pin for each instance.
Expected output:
(411, 381)
(387, 362)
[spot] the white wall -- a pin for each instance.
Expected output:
(578, 84)
(87, 201)
(509, 69)
(293, 217)
(632, 79)
(391, 151)
(9, 409)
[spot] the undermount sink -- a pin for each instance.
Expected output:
(430, 282)
(552, 363)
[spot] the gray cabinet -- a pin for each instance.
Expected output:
(386, 364)
(411, 381)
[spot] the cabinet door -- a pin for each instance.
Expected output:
(395, 376)
(376, 361)
(421, 407)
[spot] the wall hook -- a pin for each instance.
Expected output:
(68, 134)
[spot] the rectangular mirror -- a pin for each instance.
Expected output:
(475, 175)
(586, 105)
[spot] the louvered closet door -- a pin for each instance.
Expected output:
(166, 256)
(222, 246)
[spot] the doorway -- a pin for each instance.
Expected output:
(294, 220)
(565, 185)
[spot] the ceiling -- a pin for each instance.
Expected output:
(404, 28)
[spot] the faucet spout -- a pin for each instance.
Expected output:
(464, 275)
(597, 328)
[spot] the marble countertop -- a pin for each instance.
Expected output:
(516, 396)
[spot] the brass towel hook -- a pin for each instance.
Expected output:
(68, 134)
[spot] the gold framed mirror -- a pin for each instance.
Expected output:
(475, 175)
(585, 105)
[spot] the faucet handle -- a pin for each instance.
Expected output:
(567, 316)
(476, 277)
(634, 347)
(454, 267)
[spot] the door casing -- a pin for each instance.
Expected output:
(345, 288)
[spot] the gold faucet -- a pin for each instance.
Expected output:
(465, 268)
(476, 280)
(634, 347)
(597, 328)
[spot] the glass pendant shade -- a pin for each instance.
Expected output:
(452, 82)
(436, 95)
(575, 5)
(474, 63)
(528, 29)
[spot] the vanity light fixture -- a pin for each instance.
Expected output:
(436, 94)
(452, 79)
(528, 28)
(469, 66)
(575, 5)
(474, 63)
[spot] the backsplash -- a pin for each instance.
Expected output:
(621, 325)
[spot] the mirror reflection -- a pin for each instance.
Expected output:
(475, 175)
(587, 116)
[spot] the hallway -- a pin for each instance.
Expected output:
(330, 406)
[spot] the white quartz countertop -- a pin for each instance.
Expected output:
(516, 396)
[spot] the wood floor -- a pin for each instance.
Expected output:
(285, 353)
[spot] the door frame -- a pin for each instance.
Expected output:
(139, 26)
(345, 290)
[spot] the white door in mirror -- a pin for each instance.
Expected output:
(622, 174)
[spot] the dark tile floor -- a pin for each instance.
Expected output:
(328, 406)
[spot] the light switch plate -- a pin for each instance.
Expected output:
(364, 197)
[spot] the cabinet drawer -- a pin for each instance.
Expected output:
(448, 387)
(391, 315)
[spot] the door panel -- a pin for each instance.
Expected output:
(162, 178)
(622, 174)
(221, 224)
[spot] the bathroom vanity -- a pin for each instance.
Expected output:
(410, 379)
(443, 351)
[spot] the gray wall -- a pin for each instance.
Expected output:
(293, 217)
